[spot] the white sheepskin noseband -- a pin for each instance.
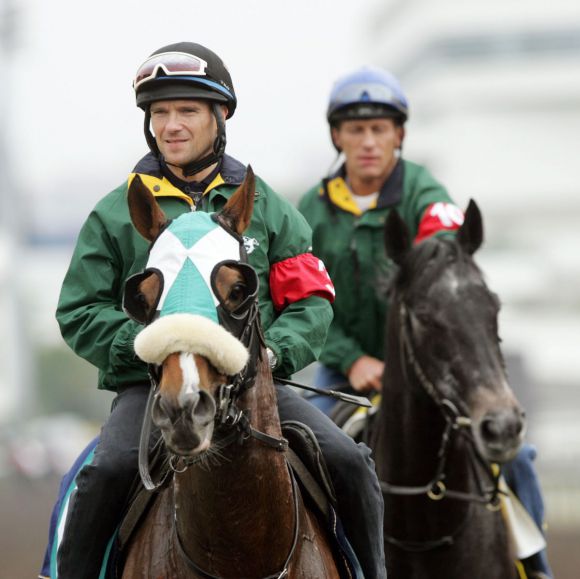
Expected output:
(195, 334)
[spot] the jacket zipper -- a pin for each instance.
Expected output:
(195, 197)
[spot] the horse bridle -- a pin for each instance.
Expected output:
(456, 422)
(228, 416)
(244, 324)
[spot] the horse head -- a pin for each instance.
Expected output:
(198, 300)
(447, 320)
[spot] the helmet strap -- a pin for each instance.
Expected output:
(151, 142)
(338, 149)
(219, 145)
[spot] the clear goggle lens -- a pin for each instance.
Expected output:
(367, 92)
(172, 64)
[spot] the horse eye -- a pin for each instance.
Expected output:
(237, 293)
(142, 302)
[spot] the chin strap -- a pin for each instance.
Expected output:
(219, 146)
(190, 169)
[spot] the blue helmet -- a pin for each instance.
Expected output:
(369, 92)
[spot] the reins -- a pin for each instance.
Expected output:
(455, 423)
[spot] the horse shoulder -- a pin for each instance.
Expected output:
(150, 552)
(315, 557)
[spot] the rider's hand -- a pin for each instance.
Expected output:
(366, 374)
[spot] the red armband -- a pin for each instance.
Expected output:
(438, 217)
(297, 278)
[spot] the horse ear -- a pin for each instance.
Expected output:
(397, 242)
(146, 215)
(470, 234)
(237, 212)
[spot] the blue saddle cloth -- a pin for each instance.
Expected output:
(57, 518)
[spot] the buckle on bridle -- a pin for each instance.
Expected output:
(437, 491)
(227, 414)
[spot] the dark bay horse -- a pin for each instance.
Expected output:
(233, 509)
(447, 412)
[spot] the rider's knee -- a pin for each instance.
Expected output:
(349, 459)
(527, 453)
(523, 460)
(115, 469)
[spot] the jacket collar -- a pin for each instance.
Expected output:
(231, 172)
(337, 191)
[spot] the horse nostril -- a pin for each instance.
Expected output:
(162, 413)
(490, 430)
(204, 410)
(502, 426)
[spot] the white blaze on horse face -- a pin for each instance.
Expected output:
(191, 381)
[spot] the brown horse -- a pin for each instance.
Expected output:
(446, 412)
(233, 509)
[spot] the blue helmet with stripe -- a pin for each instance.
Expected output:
(369, 92)
(184, 70)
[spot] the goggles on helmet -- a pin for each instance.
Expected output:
(172, 64)
(364, 93)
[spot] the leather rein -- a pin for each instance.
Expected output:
(456, 424)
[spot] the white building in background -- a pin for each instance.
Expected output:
(494, 90)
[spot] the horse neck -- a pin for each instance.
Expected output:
(245, 504)
(411, 426)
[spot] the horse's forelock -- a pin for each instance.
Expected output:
(425, 262)
(430, 259)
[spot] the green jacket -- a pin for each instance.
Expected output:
(109, 250)
(351, 244)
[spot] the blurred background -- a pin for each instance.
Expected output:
(494, 89)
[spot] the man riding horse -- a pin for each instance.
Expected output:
(187, 94)
(367, 112)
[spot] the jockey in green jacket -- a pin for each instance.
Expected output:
(278, 244)
(186, 93)
(367, 113)
(350, 241)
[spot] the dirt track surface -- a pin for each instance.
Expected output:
(25, 509)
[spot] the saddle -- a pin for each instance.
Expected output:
(306, 460)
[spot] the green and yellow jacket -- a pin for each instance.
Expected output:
(109, 250)
(351, 244)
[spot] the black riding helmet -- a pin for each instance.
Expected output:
(186, 70)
